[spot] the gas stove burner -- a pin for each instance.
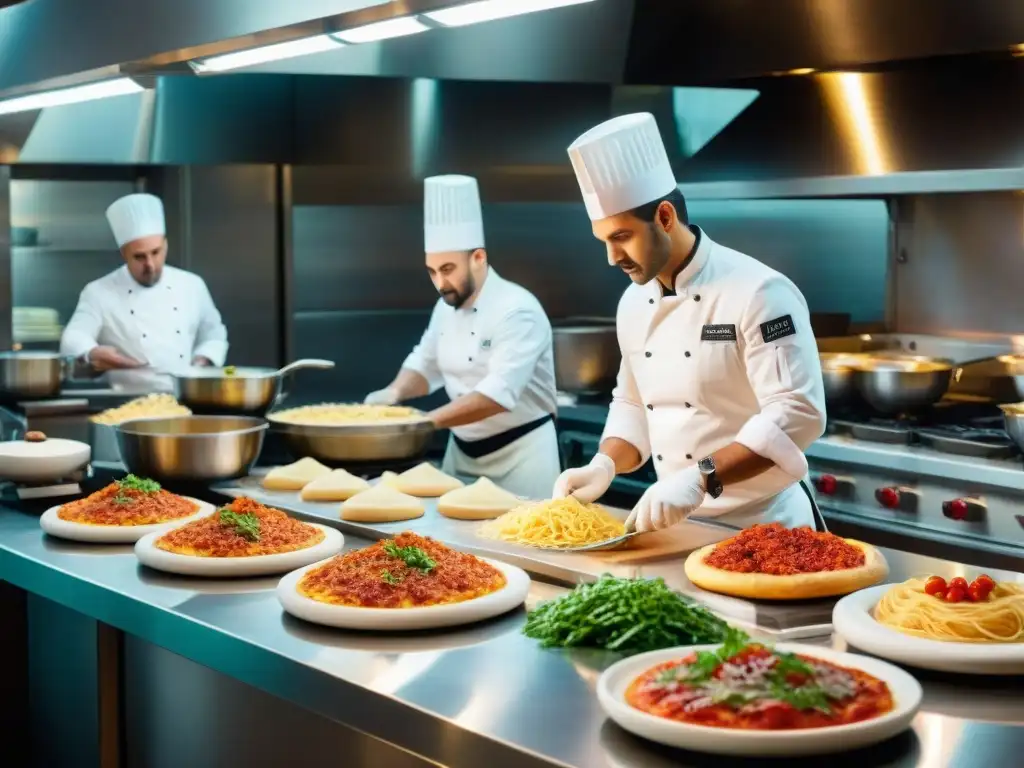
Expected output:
(968, 441)
(55, 487)
(891, 431)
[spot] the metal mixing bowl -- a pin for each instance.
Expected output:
(237, 390)
(837, 372)
(333, 444)
(191, 448)
(1013, 420)
(898, 385)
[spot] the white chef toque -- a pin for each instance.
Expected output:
(135, 216)
(621, 164)
(452, 219)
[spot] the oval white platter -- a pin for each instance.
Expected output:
(511, 596)
(854, 621)
(906, 691)
(114, 534)
(259, 565)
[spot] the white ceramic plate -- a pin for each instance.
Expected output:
(259, 565)
(611, 691)
(113, 534)
(52, 459)
(854, 621)
(389, 619)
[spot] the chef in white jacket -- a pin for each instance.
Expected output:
(144, 320)
(489, 343)
(720, 379)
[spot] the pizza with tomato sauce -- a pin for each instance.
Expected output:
(772, 562)
(244, 528)
(409, 571)
(130, 501)
(747, 686)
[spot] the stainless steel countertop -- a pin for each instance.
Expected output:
(484, 695)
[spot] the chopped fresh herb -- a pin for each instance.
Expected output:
(389, 578)
(245, 524)
(141, 484)
(708, 661)
(628, 616)
(230, 370)
(122, 499)
(413, 557)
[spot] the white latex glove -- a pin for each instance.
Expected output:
(386, 396)
(668, 501)
(586, 483)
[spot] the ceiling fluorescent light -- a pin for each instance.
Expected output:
(265, 53)
(120, 86)
(382, 30)
(488, 10)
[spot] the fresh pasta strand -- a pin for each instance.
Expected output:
(554, 524)
(1000, 619)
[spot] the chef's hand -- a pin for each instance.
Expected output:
(108, 358)
(202, 362)
(668, 501)
(586, 483)
(386, 396)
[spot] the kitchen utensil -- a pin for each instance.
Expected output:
(586, 351)
(242, 391)
(618, 541)
(335, 444)
(1013, 420)
(31, 375)
(837, 373)
(998, 379)
(899, 384)
(50, 459)
(191, 448)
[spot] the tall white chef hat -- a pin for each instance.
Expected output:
(135, 216)
(621, 164)
(452, 220)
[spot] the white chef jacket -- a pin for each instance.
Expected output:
(731, 357)
(499, 347)
(165, 325)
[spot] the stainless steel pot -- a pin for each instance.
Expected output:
(838, 370)
(334, 444)
(586, 353)
(31, 375)
(191, 448)
(1013, 420)
(1000, 379)
(242, 391)
(894, 385)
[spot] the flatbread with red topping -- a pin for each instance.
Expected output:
(131, 501)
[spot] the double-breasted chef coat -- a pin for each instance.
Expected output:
(501, 348)
(164, 326)
(730, 357)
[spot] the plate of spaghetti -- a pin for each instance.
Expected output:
(554, 524)
(972, 627)
(245, 538)
(122, 513)
(772, 562)
(744, 698)
(409, 582)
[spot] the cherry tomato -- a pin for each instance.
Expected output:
(978, 593)
(958, 583)
(956, 595)
(983, 586)
(941, 595)
(986, 579)
(934, 585)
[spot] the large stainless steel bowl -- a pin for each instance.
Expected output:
(333, 444)
(586, 353)
(191, 448)
(31, 375)
(905, 384)
(1013, 420)
(231, 390)
(838, 370)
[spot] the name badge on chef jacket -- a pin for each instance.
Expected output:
(776, 329)
(721, 332)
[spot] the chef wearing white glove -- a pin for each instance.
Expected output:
(489, 343)
(720, 379)
(145, 320)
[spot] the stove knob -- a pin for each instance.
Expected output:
(888, 497)
(826, 484)
(957, 509)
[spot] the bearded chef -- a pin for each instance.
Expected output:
(489, 343)
(720, 379)
(145, 320)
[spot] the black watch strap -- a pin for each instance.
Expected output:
(712, 485)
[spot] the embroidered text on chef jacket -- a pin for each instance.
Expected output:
(730, 357)
(499, 347)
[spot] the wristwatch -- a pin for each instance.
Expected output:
(712, 485)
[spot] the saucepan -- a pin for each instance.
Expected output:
(241, 391)
(837, 372)
(586, 353)
(1013, 420)
(895, 384)
(32, 375)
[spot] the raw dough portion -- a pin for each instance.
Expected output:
(482, 500)
(388, 478)
(338, 485)
(426, 480)
(294, 477)
(381, 504)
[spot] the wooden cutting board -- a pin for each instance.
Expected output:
(661, 545)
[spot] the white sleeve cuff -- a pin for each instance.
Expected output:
(214, 351)
(496, 389)
(765, 438)
(628, 422)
